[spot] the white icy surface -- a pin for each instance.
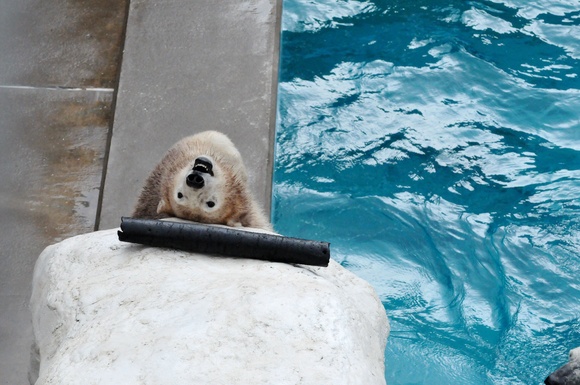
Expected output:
(109, 312)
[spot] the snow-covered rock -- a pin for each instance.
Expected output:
(108, 312)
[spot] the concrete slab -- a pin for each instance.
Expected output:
(53, 138)
(52, 148)
(63, 43)
(188, 67)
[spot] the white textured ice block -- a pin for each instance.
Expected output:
(107, 312)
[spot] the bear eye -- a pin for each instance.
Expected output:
(210, 204)
(179, 195)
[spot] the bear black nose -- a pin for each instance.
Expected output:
(195, 180)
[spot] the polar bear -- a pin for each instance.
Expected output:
(201, 178)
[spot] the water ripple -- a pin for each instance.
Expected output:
(437, 146)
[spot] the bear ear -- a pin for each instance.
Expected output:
(164, 208)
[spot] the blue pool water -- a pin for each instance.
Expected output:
(436, 145)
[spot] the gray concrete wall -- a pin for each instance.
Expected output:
(58, 69)
(189, 67)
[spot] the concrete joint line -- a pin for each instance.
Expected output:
(57, 88)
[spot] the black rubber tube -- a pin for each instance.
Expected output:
(224, 241)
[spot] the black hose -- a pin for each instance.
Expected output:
(226, 241)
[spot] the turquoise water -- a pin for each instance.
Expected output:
(436, 145)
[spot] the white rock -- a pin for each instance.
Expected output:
(108, 312)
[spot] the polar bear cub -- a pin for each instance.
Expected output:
(201, 178)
